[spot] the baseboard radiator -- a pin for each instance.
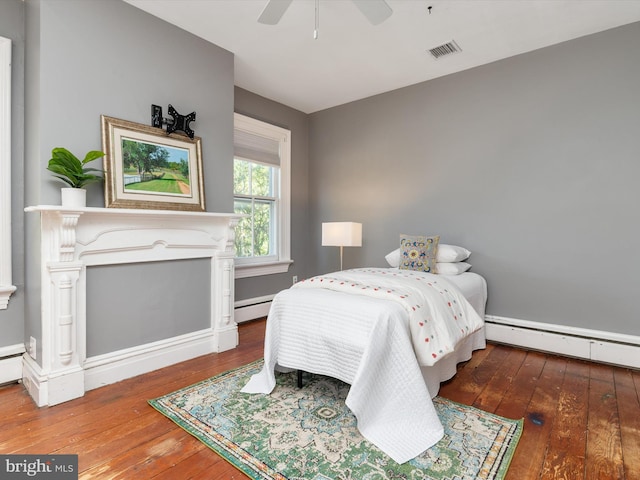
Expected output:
(596, 345)
(252, 308)
(11, 363)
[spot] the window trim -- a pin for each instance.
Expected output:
(254, 268)
(6, 288)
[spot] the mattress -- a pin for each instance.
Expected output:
(473, 287)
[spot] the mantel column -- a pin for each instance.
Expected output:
(60, 376)
(64, 342)
(224, 327)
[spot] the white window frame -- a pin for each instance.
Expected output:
(255, 267)
(6, 288)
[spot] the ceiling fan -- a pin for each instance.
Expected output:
(376, 11)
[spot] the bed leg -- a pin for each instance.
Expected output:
(299, 378)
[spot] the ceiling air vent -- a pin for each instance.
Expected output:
(445, 49)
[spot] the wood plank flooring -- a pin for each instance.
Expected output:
(582, 419)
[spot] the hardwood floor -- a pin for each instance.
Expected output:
(582, 419)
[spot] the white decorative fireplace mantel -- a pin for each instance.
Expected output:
(73, 239)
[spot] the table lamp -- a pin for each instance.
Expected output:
(341, 234)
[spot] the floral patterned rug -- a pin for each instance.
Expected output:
(309, 433)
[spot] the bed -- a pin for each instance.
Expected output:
(392, 334)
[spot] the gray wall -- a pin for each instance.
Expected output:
(142, 292)
(107, 57)
(258, 107)
(12, 26)
(530, 162)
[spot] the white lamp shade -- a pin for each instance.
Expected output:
(341, 234)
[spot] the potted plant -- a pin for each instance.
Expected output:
(74, 172)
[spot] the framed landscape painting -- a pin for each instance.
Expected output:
(147, 168)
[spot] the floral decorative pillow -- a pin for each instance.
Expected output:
(418, 252)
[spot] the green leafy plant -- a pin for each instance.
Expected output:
(71, 170)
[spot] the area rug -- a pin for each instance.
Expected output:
(309, 433)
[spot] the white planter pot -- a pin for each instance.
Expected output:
(74, 197)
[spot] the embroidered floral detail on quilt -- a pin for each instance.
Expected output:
(439, 315)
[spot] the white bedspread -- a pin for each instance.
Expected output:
(373, 344)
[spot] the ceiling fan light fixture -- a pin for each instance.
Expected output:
(376, 11)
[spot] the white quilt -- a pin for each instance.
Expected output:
(373, 341)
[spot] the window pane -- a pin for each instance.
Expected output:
(243, 242)
(241, 177)
(261, 180)
(262, 228)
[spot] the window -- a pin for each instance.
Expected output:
(254, 189)
(261, 186)
(6, 289)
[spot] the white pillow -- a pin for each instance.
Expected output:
(451, 253)
(393, 258)
(445, 254)
(452, 268)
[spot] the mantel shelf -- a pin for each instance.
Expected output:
(128, 212)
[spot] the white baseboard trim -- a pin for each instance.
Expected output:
(11, 363)
(596, 345)
(35, 383)
(116, 366)
(47, 389)
(252, 308)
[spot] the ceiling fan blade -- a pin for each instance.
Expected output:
(376, 11)
(273, 11)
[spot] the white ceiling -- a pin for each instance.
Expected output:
(352, 59)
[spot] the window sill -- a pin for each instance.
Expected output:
(258, 269)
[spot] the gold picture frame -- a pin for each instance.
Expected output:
(146, 168)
